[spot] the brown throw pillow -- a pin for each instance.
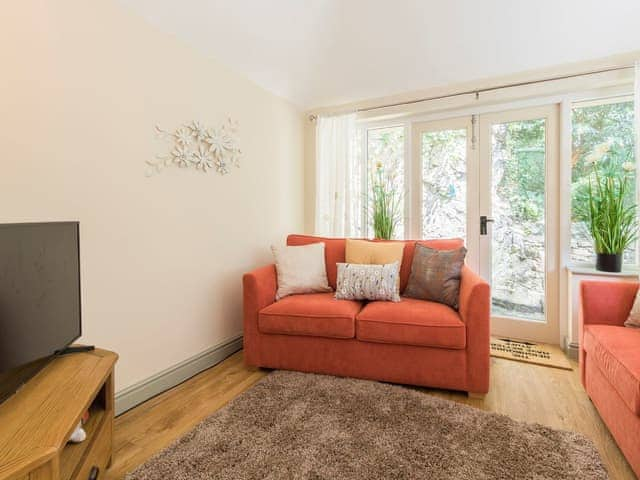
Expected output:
(634, 315)
(435, 275)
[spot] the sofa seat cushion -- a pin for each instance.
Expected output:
(616, 352)
(314, 314)
(411, 322)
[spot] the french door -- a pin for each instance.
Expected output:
(492, 179)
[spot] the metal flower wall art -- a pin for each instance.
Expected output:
(195, 146)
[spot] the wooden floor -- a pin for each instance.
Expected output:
(523, 391)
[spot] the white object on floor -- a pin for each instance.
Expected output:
(78, 435)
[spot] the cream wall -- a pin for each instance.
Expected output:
(82, 86)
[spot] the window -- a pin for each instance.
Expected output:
(385, 153)
(444, 183)
(603, 122)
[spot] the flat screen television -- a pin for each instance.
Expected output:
(40, 311)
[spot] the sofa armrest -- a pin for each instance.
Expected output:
(475, 296)
(258, 291)
(475, 311)
(606, 303)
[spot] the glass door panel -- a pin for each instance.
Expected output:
(518, 210)
(518, 178)
(444, 183)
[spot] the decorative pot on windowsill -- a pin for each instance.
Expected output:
(609, 262)
(611, 205)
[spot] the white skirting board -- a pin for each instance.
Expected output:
(172, 376)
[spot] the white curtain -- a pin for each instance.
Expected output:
(338, 177)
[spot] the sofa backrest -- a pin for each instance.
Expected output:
(335, 247)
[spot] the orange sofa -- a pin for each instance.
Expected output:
(610, 361)
(413, 341)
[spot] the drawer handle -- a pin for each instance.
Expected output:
(93, 474)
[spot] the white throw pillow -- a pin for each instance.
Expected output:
(301, 270)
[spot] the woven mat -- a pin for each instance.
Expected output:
(529, 352)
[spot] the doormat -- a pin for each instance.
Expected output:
(529, 352)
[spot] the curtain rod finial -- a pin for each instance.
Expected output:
(313, 117)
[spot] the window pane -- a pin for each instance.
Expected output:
(606, 123)
(444, 184)
(518, 209)
(385, 149)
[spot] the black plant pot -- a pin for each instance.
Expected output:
(609, 262)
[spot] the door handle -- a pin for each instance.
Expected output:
(483, 224)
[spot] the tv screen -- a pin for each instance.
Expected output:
(39, 296)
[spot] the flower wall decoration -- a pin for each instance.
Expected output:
(196, 146)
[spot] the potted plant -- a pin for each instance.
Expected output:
(385, 204)
(611, 207)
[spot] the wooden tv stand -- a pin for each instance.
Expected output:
(37, 421)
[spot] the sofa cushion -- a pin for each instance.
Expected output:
(616, 352)
(300, 269)
(411, 322)
(314, 314)
(335, 252)
(435, 275)
(372, 253)
(367, 252)
(633, 320)
(368, 282)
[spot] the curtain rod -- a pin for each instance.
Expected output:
(478, 91)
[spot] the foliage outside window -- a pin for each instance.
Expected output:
(518, 207)
(444, 183)
(385, 151)
(611, 124)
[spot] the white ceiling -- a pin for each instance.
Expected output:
(327, 52)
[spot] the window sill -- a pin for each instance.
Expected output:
(627, 271)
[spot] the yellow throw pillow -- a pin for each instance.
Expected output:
(374, 253)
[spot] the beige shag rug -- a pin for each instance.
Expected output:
(303, 426)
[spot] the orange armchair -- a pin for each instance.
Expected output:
(610, 361)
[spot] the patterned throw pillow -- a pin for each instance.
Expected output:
(435, 275)
(634, 315)
(368, 282)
